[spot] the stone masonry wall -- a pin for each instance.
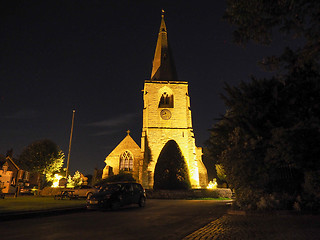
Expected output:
(158, 131)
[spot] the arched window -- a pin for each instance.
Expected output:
(126, 161)
(166, 100)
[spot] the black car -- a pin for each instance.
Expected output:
(116, 195)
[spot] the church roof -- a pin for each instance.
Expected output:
(163, 65)
(126, 144)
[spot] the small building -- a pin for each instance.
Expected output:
(9, 173)
(127, 157)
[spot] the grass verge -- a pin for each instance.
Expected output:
(208, 198)
(36, 203)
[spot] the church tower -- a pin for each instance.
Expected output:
(167, 116)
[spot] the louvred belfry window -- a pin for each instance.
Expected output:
(126, 161)
(166, 101)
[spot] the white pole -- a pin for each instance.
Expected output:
(68, 161)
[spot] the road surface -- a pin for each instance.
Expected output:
(160, 219)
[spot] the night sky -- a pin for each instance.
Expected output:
(93, 56)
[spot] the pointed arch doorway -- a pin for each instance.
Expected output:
(171, 171)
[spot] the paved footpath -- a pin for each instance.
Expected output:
(260, 226)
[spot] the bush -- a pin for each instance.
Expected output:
(171, 170)
(310, 200)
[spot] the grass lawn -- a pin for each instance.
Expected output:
(34, 203)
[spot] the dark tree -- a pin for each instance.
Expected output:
(295, 20)
(267, 141)
(43, 157)
(89, 177)
(171, 170)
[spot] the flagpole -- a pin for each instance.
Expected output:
(68, 161)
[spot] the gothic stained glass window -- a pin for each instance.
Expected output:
(126, 161)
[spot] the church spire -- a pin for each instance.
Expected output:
(163, 65)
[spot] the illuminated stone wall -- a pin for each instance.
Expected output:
(157, 131)
(166, 116)
(113, 159)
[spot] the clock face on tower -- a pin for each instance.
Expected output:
(165, 114)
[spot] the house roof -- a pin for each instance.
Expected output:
(2, 160)
(10, 162)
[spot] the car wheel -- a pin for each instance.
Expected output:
(142, 202)
(115, 205)
(89, 195)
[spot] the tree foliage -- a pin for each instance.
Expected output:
(42, 156)
(221, 173)
(77, 179)
(268, 139)
(171, 170)
(261, 20)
